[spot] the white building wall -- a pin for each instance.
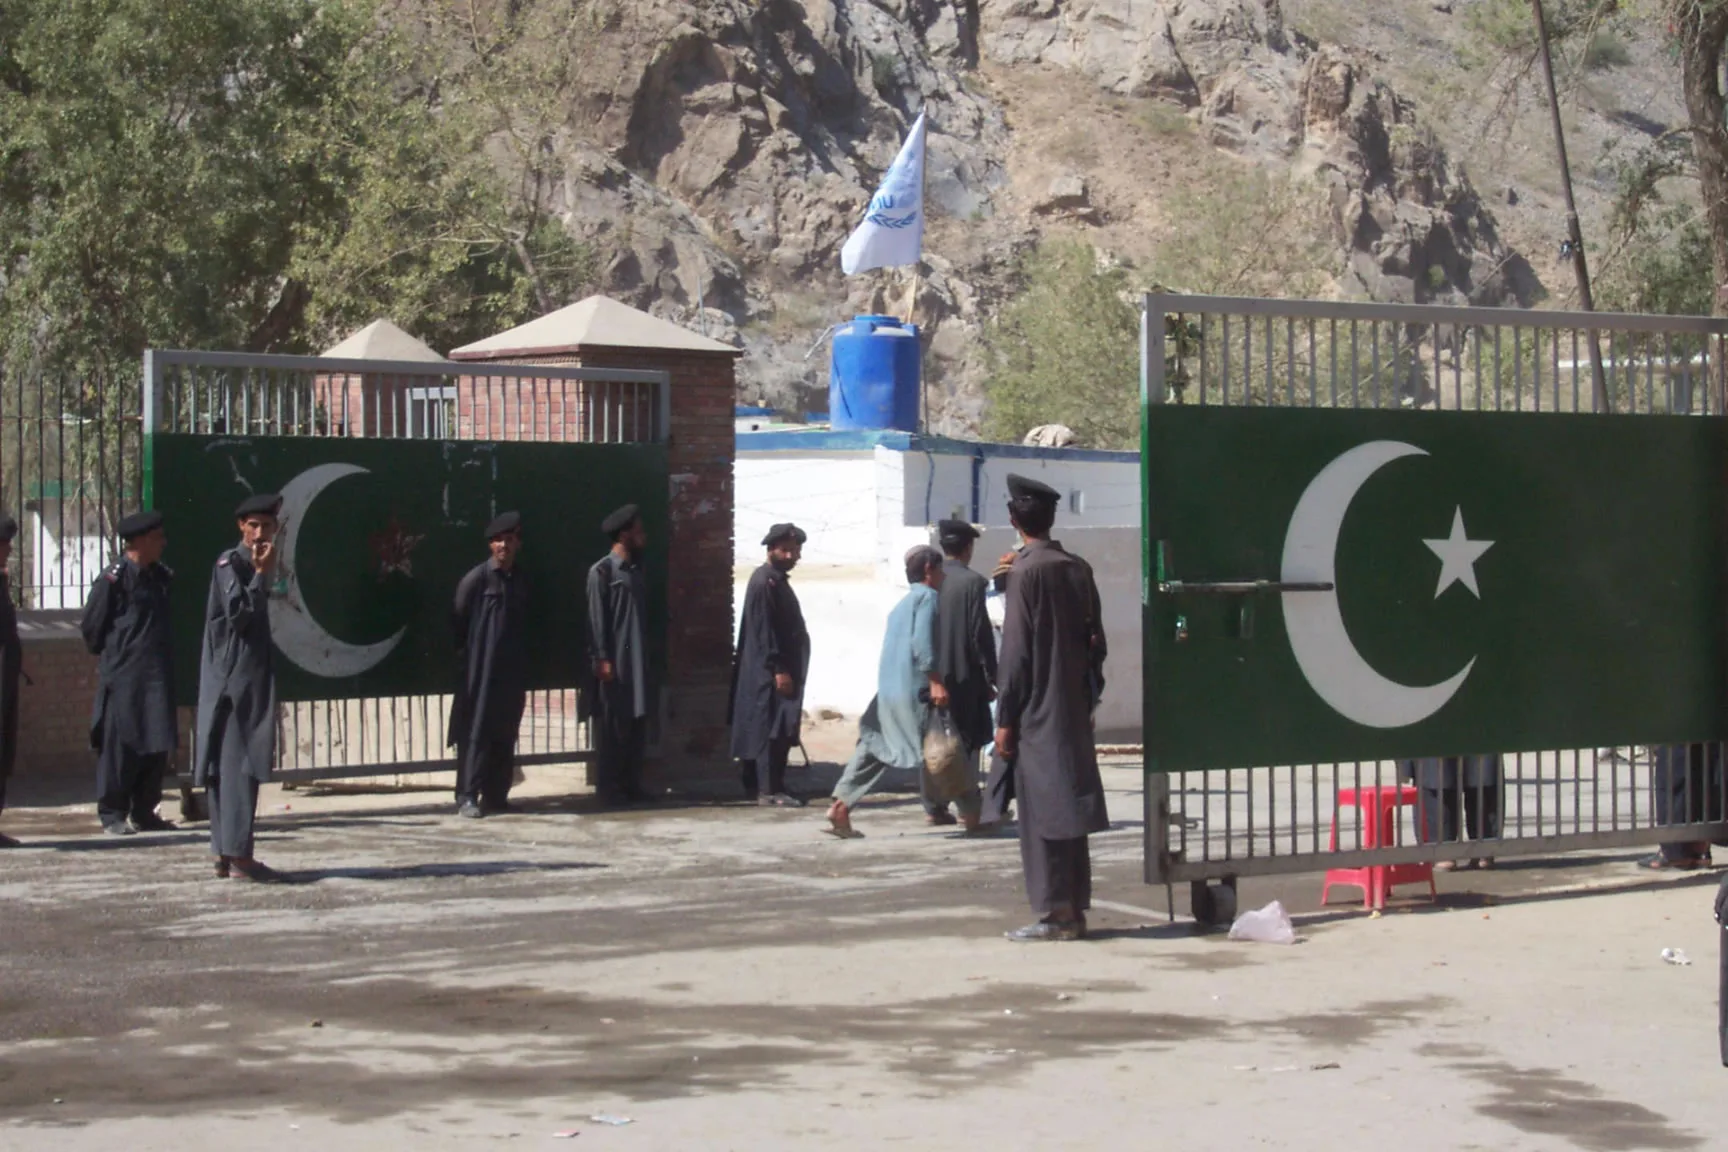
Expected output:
(1096, 493)
(831, 496)
(863, 510)
(1114, 554)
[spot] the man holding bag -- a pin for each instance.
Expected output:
(908, 685)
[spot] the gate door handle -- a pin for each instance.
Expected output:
(1240, 587)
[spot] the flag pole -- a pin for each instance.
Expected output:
(911, 318)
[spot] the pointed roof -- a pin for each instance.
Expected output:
(597, 322)
(382, 340)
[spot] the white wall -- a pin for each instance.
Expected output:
(939, 486)
(1114, 554)
(863, 511)
(832, 497)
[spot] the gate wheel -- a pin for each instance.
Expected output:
(1213, 904)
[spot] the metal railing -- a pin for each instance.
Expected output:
(71, 465)
(1220, 824)
(217, 393)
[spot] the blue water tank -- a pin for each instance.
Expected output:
(873, 375)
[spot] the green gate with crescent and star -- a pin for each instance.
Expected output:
(389, 473)
(1377, 534)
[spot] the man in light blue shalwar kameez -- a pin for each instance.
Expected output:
(908, 684)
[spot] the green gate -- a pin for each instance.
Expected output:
(1378, 533)
(389, 473)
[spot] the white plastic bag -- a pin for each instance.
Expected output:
(947, 775)
(1268, 925)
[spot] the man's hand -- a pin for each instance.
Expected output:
(264, 556)
(938, 693)
(606, 672)
(784, 684)
(1005, 743)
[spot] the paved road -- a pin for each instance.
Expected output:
(728, 978)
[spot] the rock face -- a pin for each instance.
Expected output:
(718, 152)
(1412, 228)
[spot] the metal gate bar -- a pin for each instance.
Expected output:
(214, 393)
(1219, 824)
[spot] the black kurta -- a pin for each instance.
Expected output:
(490, 622)
(126, 622)
(11, 664)
(617, 632)
(966, 651)
(771, 638)
(236, 677)
(617, 606)
(1051, 671)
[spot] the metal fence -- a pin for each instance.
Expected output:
(1224, 823)
(210, 393)
(71, 465)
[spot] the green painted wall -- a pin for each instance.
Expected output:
(1600, 619)
(444, 493)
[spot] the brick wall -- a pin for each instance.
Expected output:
(54, 711)
(693, 746)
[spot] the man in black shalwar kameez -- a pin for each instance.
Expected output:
(618, 655)
(1459, 794)
(234, 739)
(768, 672)
(1048, 683)
(965, 654)
(490, 620)
(133, 726)
(11, 666)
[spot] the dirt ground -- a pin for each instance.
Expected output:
(725, 977)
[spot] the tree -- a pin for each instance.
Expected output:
(1700, 32)
(1066, 350)
(1696, 32)
(257, 175)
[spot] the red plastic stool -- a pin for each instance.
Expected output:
(1377, 811)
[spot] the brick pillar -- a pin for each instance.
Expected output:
(701, 623)
(693, 748)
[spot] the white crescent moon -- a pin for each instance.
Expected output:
(294, 629)
(1329, 661)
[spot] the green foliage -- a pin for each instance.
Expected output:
(1606, 51)
(1668, 272)
(1503, 29)
(261, 175)
(1066, 351)
(1246, 232)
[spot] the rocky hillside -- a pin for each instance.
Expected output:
(719, 151)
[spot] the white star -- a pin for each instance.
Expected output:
(1458, 555)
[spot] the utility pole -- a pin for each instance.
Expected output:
(1574, 234)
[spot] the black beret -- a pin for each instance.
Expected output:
(955, 531)
(503, 523)
(1025, 488)
(8, 529)
(620, 520)
(263, 504)
(783, 532)
(138, 524)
